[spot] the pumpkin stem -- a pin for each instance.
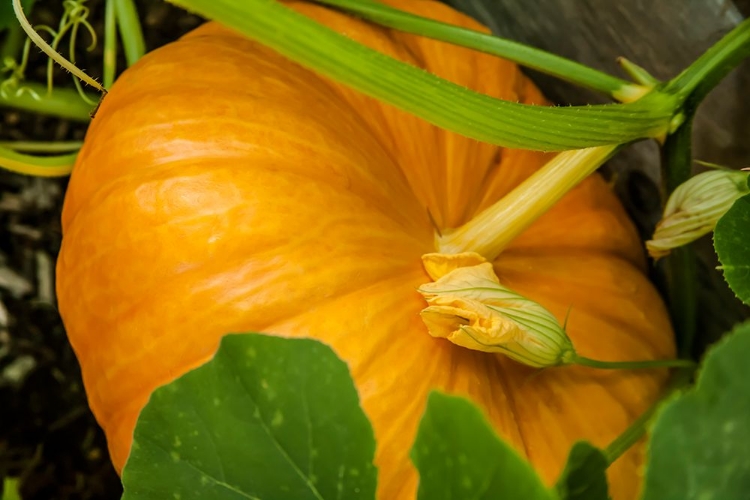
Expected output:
(493, 229)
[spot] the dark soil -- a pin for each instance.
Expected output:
(48, 437)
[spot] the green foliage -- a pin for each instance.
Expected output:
(459, 456)
(731, 242)
(699, 444)
(584, 476)
(268, 418)
(10, 489)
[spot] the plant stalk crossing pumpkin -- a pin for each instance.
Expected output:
(222, 188)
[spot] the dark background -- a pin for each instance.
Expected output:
(48, 437)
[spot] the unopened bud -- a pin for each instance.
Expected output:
(469, 307)
(695, 207)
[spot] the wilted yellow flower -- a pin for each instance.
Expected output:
(695, 207)
(469, 307)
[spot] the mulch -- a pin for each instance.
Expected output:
(49, 439)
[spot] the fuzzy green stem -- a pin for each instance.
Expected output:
(109, 65)
(635, 431)
(632, 434)
(648, 364)
(530, 57)
(131, 33)
(52, 53)
(493, 229)
(62, 102)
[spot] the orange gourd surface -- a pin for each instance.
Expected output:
(222, 188)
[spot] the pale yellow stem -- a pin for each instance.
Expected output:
(52, 53)
(490, 232)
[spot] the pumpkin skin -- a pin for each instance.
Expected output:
(222, 188)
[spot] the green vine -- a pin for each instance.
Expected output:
(537, 59)
(49, 50)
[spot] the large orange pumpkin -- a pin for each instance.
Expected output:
(223, 188)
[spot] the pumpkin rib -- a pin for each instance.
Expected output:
(389, 118)
(168, 168)
(93, 258)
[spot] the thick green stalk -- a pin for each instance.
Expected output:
(62, 102)
(524, 55)
(709, 69)
(681, 266)
(437, 100)
(129, 24)
(489, 232)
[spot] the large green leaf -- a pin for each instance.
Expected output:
(731, 238)
(459, 456)
(585, 474)
(434, 99)
(699, 445)
(267, 419)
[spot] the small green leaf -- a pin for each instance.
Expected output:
(459, 456)
(267, 419)
(731, 238)
(699, 444)
(585, 474)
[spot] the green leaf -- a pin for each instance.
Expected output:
(8, 17)
(699, 444)
(731, 238)
(459, 456)
(436, 100)
(585, 474)
(267, 419)
(10, 489)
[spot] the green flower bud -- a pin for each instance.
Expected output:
(695, 207)
(469, 307)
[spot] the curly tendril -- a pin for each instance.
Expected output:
(75, 15)
(12, 85)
